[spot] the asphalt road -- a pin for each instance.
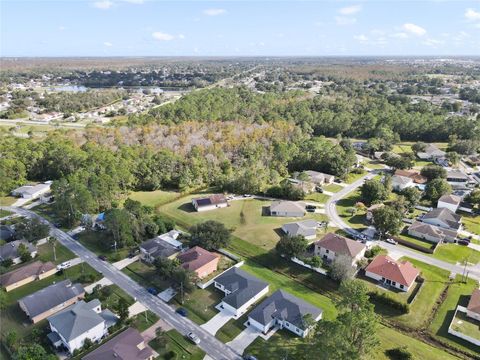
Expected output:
(331, 212)
(213, 347)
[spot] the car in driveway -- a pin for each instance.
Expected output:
(193, 338)
(463, 242)
(64, 265)
(391, 241)
(152, 290)
(181, 311)
(102, 257)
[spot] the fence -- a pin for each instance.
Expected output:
(459, 334)
(412, 245)
(209, 282)
(300, 262)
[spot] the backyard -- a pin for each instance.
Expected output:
(176, 347)
(243, 217)
(145, 275)
(466, 325)
(471, 223)
(154, 198)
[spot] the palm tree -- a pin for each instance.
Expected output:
(52, 241)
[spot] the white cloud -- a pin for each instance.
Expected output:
(214, 12)
(161, 36)
(181, 36)
(350, 10)
(472, 15)
(108, 44)
(103, 4)
(139, 2)
(414, 29)
(61, 28)
(343, 20)
(433, 42)
(400, 35)
(361, 38)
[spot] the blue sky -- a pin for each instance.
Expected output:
(234, 28)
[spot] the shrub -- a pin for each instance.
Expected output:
(389, 301)
(373, 251)
(400, 353)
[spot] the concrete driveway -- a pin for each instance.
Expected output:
(215, 323)
(125, 262)
(244, 339)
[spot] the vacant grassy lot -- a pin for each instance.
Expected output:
(4, 213)
(471, 223)
(7, 200)
(458, 294)
(200, 304)
(420, 242)
(95, 241)
(154, 198)
(453, 253)
(352, 177)
(320, 198)
(333, 187)
(145, 275)
(243, 217)
(177, 347)
(357, 221)
(45, 253)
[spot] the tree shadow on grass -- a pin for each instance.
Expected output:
(187, 207)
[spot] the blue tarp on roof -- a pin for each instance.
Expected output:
(101, 217)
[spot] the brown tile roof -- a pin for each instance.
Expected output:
(414, 175)
(35, 268)
(211, 200)
(474, 303)
(340, 245)
(401, 272)
(124, 346)
(195, 258)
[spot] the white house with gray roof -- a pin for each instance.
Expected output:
(319, 178)
(284, 310)
(241, 290)
(10, 251)
(451, 202)
(287, 208)
(431, 152)
(81, 321)
(444, 218)
(32, 191)
(305, 228)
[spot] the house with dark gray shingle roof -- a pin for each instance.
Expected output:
(79, 322)
(241, 290)
(444, 218)
(10, 251)
(50, 300)
(305, 228)
(284, 310)
(287, 208)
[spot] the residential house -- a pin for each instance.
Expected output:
(400, 183)
(71, 327)
(431, 152)
(431, 233)
(473, 160)
(306, 186)
(162, 246)
(369, 213)
(305, 228)
(473, 307)
(285, 311)
(10, 251)
(50, 300)
(444, 218)
(418, 179)
(319, 178)
(32, 191)
(241, 290)
(398, 274)
(457, 178)
(26, 274)
(287, 208)
(7, 233)
(128, 345)
(333, 245)
(199, 260)
(210, 202)
(451, 202)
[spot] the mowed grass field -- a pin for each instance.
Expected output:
(243, 217)
(154, 198)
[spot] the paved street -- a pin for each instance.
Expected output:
(213, 347)
(331, 211)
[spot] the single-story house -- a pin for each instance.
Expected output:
(241, 290)
(10, 251)
(79, 322)
(333, 245)
(465, 207)
(287, 208)
(284, 310)
(7, 232)
(398, 274)
(473, 307)
(128, 345)
(210, 202)
(199, 260)
(306, 186)
(431, 152)
(412, 174)
(444, 218)
(451, 202)
(50, 300)
(26, 274)
(162, 246)
(32, 191)
(305, 228)
(319, 178)
(400, 183)
(369, 213)
(473, 160)
(457, 178)
(431, 233)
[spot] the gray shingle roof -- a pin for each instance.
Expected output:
(242, 286)
(304, 228)
(79, 318)
(10, 250)
(445, 215)
(284, 306)
(51, 296)
(158, 247)
(287, 206)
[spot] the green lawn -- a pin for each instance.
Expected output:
(420, 242)
(115, 295)
(4, 213)
(471, 223)
(357, 221)
(352, 177)
(179, 346)
(200, 304)
(142, 322)
(45, 253)
(318, 197)
(374, 164)
(95, 241)
(145, 275)
(333, 188)
(454, 253)
(7, 200)
(252, 226)
(465, 325)
(458, 294)
(231, 329)
(154, 198)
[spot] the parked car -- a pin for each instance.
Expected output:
(182, 311)
(152, 290)
(249, 357)
(76, 236)
(64, 265)
(247, 195)
(463, 242)
(319, 189)
(194, 338)
(337, 181)
(102, 257)
(391, 241)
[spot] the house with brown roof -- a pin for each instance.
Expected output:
(199, 260)
(432, 233)
(473, 307)
(414, 175)
(129, 345)
(398, 274)
(211, 202)
(333, 245)
(26, 274)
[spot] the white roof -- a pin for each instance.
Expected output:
(171, 238)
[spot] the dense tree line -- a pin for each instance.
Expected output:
(69, 102)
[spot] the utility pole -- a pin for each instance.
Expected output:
(181, 292)
(146, 316)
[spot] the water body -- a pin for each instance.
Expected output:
(70, 88)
